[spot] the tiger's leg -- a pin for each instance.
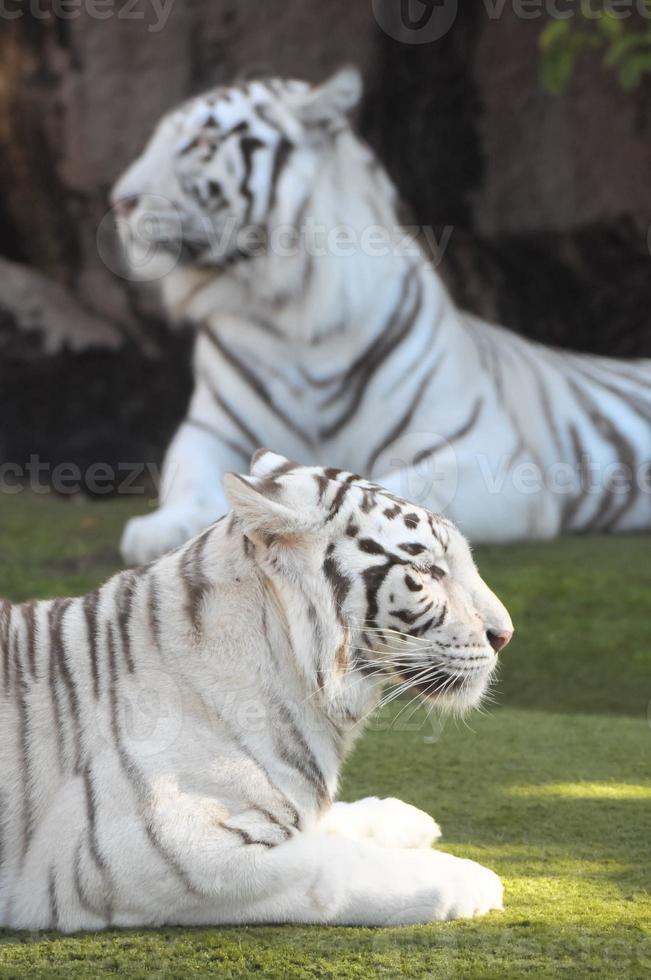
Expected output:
(387, 823)
(255, 865)
(191, 495)
(314, 878)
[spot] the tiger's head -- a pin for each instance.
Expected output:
(219, 168)
(390, 590)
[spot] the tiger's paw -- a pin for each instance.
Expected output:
(469, 890)
(387, 823)
(147, 538)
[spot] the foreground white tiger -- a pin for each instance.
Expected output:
(358, 357)
(266, 641)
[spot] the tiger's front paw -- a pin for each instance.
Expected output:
(445, 887)
(147, 538)
(471, 890)
(393, 823)
(387, 823)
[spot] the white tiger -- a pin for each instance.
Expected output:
(260, 647)
(361, 357)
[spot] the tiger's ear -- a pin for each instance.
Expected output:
(265, 462)
(261, 510)
(335, 97)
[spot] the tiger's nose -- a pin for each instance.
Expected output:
(498, 639)
(124, 206)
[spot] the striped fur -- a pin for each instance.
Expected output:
(170, 744)
(354, 355)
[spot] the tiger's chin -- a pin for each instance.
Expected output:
(457, 691)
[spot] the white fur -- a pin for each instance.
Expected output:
(192, 780)
(494, 414)
(387, 823)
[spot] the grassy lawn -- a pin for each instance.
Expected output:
(552, 788)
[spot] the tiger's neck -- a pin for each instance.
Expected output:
(284, 647)
(233, 590)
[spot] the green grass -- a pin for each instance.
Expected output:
(552, 789)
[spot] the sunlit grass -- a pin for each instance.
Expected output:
(586, 791)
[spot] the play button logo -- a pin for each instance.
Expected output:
(415, 21)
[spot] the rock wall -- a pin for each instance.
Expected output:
(547, 195)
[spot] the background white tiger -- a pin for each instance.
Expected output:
(359, 358)
(267, 640)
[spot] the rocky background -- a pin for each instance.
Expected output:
(548, 196)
